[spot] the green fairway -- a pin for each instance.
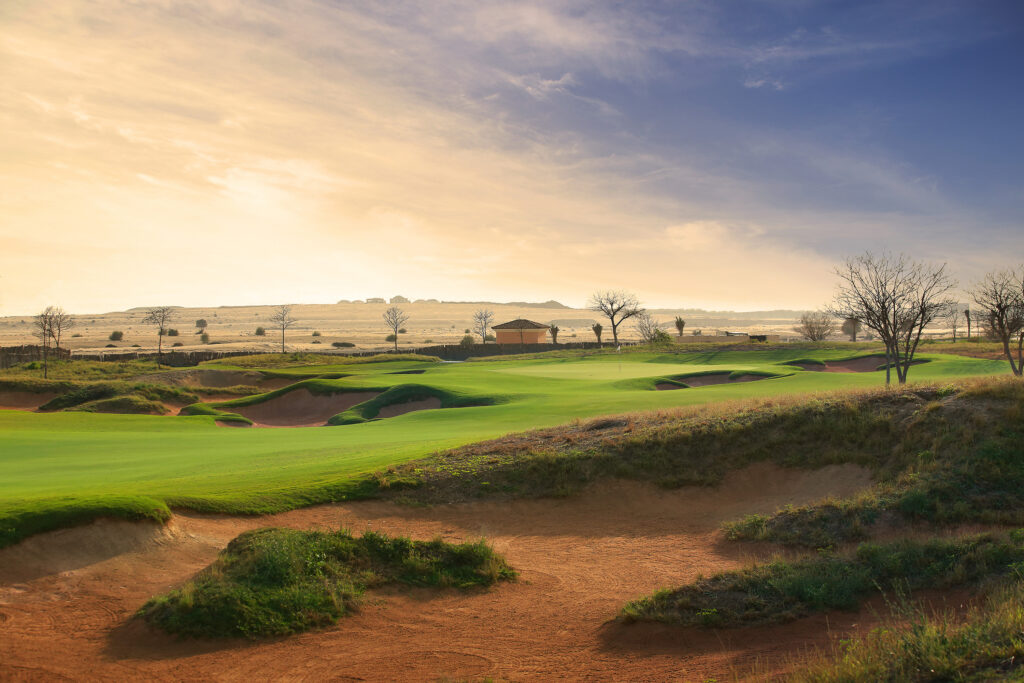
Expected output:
(73, 460)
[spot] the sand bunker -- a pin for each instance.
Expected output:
(396, 409)
(24, 400)
(300, 408)
(579, 559)
(862, 364)
(708, 380)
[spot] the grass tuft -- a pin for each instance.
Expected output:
(275, 582)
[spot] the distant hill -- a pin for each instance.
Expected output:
(524, 304)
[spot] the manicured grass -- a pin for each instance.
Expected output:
(986, 644)
(782, 591)
(275, 582)
(49, 461)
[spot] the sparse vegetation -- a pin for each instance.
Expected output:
(275, 582)
(784, 590)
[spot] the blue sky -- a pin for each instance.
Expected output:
(722, 155)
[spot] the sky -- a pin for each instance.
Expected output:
(721, 155)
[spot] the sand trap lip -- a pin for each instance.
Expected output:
(694, 381)
(301, 408)
(396, 409)
(862, 364)
(25, 400)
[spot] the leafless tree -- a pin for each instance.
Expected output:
(597, 328)
(282, 319)
(43, 324)
(680, 325)
(851, 327)
(896, 298)
(648, 328)
(161, 316)
(953, 318)
(482, 320)
(395, 317)
(1000, 296)
(62, 321)
(815, 326)
(617, 306)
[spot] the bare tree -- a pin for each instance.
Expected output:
(815, 326)
(649, 329)
(282, 319)
(62, 321)
(43, 324)
(680, 325)
(617, 306)
(161, 316)
(482, 320)
(597, 328)
(554, 330)
(851, 327)
(953, 318)
(895, 297)
(395, 317)
(1000, 296)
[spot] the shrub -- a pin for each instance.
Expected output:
(390, 338)
(136, 346)
(111, 346)
(342, 345)
(491, 337)
(260, 332)
(205, 338)
(467, 340)
(172, 332)
(116, 335)
(402, 331)
(466, 331)
(316, 333)
(176, 344)
(77, 334)
(317, 341)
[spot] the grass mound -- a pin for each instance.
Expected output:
(219, 415)
(914, 439)
(124, 405)
(406, 393)
(985, 645)
(290, 360)
(24, 519)
(274, 582)
(781, 590)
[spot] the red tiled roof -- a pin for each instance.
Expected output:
(520, 324)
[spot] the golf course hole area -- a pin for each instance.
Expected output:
(861, 364)
(301, 408)
(694, 381)
(275, 582)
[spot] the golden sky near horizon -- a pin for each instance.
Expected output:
(223, 152)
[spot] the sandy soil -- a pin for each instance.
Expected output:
(708, 380)
(396, 409)
(24, 400)
(66, 598)
(865, 364)
(300, 408)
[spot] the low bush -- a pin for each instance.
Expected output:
(781, 590)
(274, 582)
(116, 335)
(260, 332)
(342, 345)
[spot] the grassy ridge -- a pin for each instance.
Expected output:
(782, 591)
(986, 645)
(274, 582)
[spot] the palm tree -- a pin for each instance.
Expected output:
(597, 328)
(680, 325)
(554, 333)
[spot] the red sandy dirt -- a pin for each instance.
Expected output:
(396, 409)
(24, 400)
(67, 597)
(301, 408)
(863, 364)
(708, 380)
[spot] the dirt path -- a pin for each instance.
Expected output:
(66, 598)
